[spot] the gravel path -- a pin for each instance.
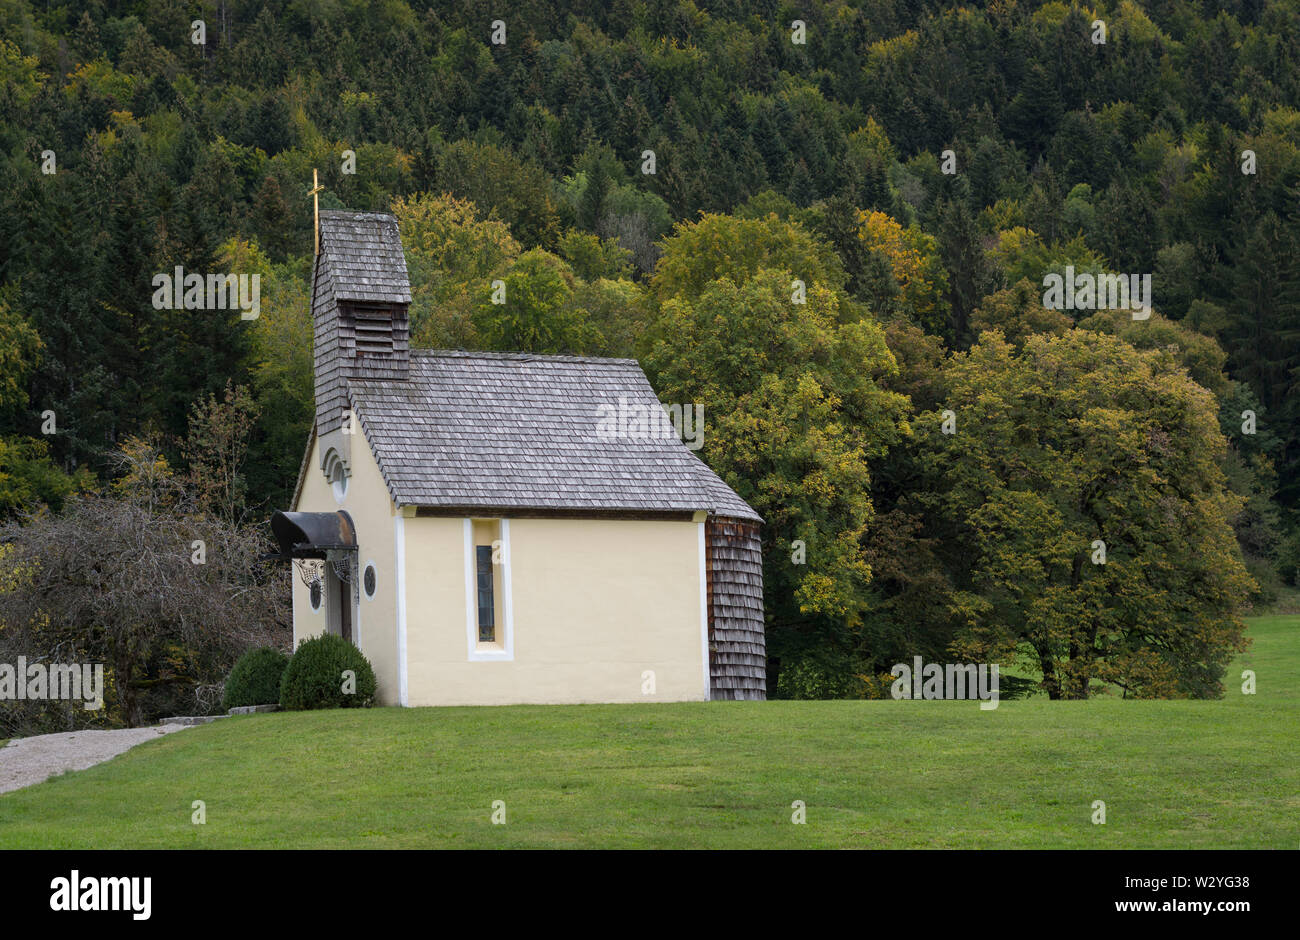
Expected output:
(25, 761)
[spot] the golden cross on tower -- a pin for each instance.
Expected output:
(315, 199)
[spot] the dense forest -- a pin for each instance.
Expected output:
(831, 223)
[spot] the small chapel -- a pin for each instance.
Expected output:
(465, 519)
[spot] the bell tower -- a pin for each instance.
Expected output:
(360, 321)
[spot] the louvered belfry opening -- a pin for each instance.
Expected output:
(737, 645)
(375, 331)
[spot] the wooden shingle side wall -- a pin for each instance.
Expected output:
(330, 396)
(734, 578)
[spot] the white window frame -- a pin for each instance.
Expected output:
(478, 653)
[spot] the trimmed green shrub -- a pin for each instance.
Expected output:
(315, 676)
(255, 680)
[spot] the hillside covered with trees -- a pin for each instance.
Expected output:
(830, 223)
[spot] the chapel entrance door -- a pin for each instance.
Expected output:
(345, 608)
(340, 575)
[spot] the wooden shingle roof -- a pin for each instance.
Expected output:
(364, 253)
(519, 431)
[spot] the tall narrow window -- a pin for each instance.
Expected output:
(489, 630)
(487, 624)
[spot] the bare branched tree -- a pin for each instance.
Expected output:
(166, 596)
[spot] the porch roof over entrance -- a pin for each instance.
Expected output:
(312, 534)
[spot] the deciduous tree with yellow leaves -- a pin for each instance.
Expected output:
(1089, 520)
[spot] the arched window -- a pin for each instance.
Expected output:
(339, 481)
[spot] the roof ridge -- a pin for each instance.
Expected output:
(519, 356)
(363, 212)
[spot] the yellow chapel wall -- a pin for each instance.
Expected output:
(593, 606)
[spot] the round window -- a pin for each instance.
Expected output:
(315, 594)
(370, 580)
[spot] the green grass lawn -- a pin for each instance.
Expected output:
(1222, 774)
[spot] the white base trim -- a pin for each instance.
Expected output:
(704, 613)
(399, 585)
